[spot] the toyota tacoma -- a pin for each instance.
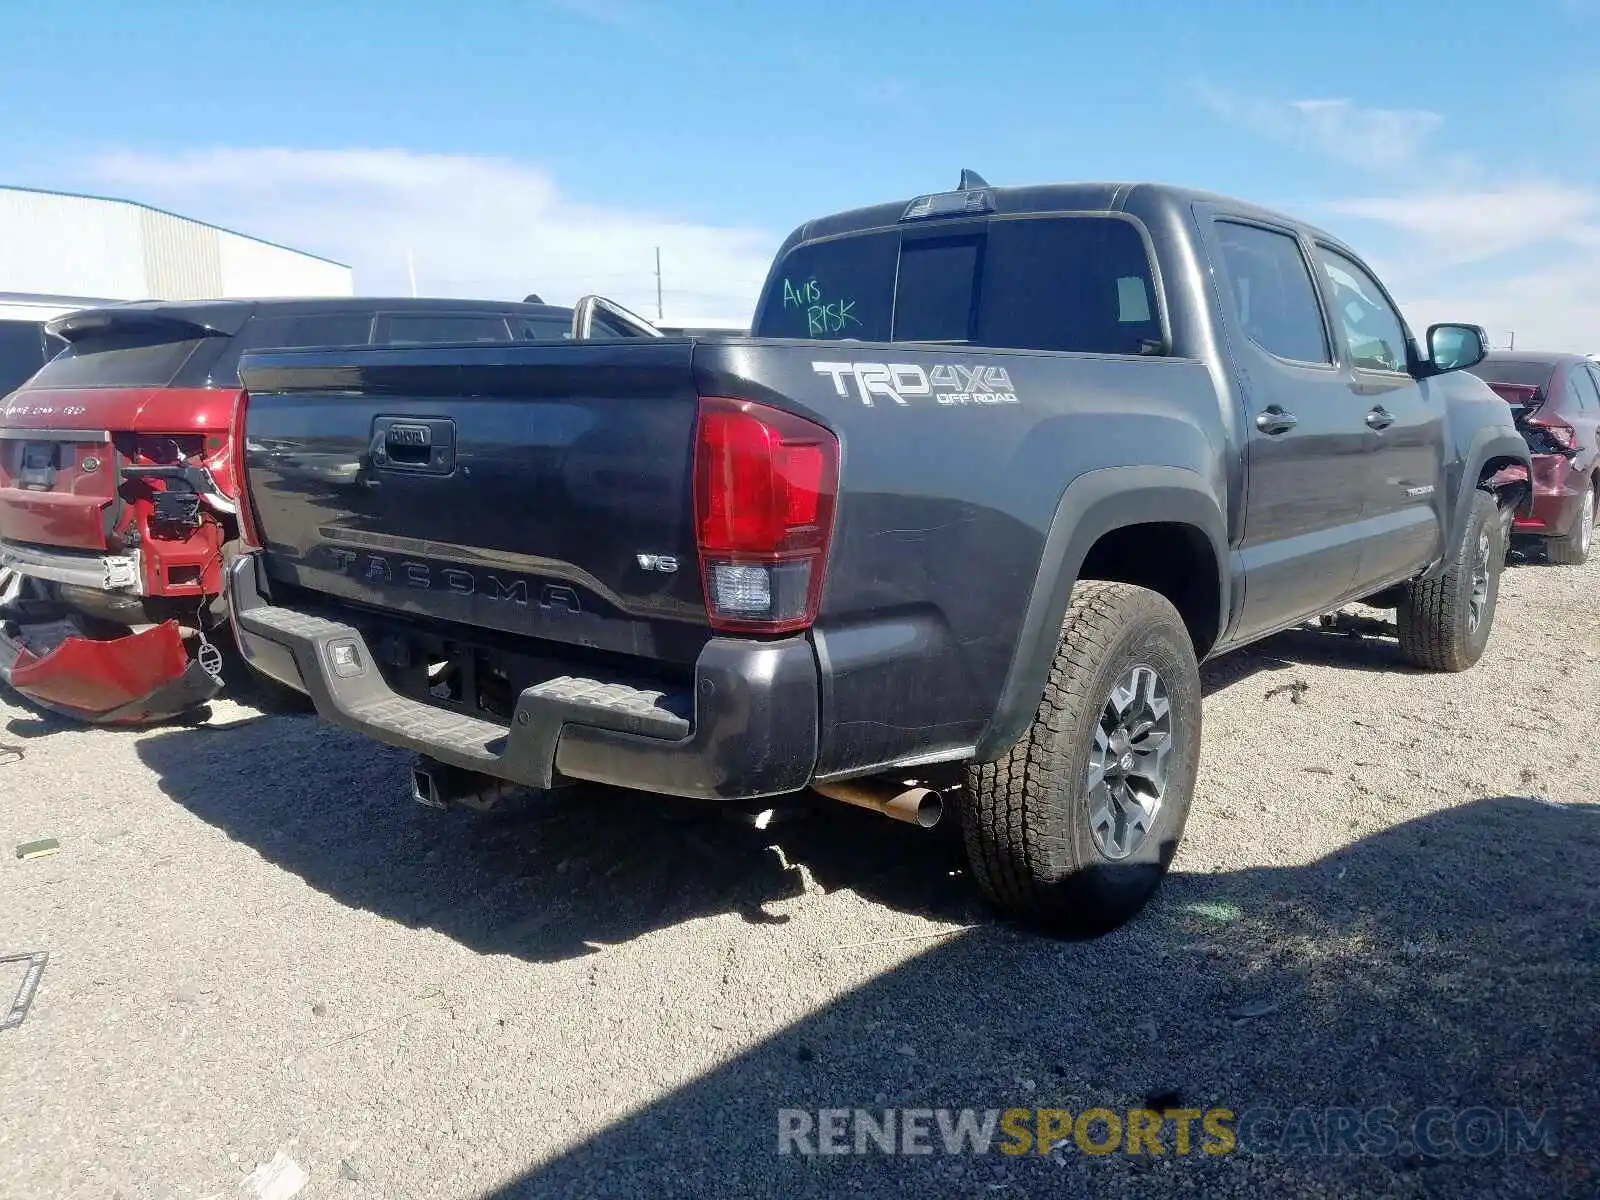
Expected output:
(995, 471)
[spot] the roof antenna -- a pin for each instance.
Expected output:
(971, 180)
(532, 298)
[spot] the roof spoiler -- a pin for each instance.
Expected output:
(178, 323)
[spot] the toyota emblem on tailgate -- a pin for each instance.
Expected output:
(409, 435)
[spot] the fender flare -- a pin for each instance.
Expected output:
(1093, 505)
(1486, 444)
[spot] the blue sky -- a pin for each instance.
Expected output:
(550, 146)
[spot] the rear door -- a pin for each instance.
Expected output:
(1403, 517)
(1304, 453)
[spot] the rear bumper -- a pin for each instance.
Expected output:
(752, 733)
(143, 677)
(105, 572)
(1558, 490)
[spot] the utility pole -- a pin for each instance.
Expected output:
(660, 315)
(1513, 344)
(411, 270)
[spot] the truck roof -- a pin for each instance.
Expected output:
(1056, 197)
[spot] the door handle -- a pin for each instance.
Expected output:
(424, 446)
(1379, 418)
(1274, 420)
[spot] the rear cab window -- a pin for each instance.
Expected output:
(1079, 283)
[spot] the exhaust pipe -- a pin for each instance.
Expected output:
(911, 803)
(439, 785)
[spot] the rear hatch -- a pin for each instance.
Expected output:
(66, 432)
(532, 489)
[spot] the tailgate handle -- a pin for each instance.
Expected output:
(416, 446)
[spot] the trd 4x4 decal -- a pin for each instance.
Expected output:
(947, 383)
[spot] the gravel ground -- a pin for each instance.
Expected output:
(1386, 899)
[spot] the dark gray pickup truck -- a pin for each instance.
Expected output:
(995, 470)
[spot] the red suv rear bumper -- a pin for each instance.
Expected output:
(146, 676)
(1558, 491)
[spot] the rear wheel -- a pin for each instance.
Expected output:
(1445, 622)
(1571, 549)
(1075, 827)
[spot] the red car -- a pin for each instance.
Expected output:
(1556, 401)
(117, 513)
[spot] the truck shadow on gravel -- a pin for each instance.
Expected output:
(1451, 961)
(575, 871)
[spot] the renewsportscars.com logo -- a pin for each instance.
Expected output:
(1373, 1133)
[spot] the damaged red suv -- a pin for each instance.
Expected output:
(117, 512)
(1555, 399)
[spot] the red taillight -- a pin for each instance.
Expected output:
(1562, 435)
(764, 484)
(249, 539)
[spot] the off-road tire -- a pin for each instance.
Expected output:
(1435, 617)
(1571, 549)
(1025, 818)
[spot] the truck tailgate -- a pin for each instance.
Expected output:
(541, 490)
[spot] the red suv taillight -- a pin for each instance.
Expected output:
(764, 485)
(249, 539)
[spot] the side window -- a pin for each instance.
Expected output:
(1274, 300)
(1574, 390)
(421, 329)
(330, 329)
(1588, 395)
(1374, 331)
(541, 329)
(291, 333)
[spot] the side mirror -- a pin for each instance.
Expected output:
(1454, 347)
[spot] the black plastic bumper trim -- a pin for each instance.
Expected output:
(753, 732)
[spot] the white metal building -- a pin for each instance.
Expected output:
(60, 253)
(58, 245)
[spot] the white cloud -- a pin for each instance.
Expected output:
(1551, 308)
(1468, 226)
(1371, 138)
(475, 226)
(1463, 242)
(616, 13)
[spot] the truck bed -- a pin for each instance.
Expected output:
(520, 502)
